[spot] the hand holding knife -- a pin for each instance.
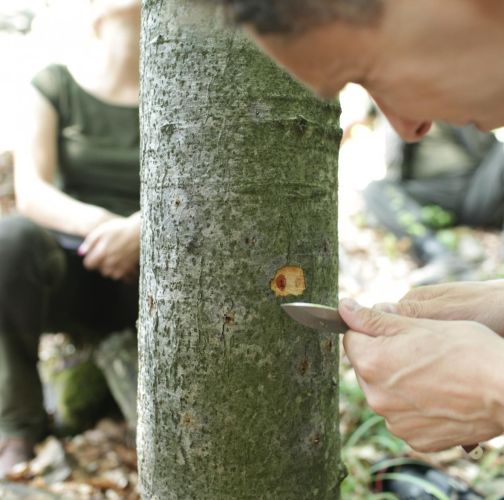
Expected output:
(327, 319)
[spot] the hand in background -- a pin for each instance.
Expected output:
(437, 383)
(113, 248)
(475, 301)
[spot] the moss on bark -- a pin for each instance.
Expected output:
(239, 180)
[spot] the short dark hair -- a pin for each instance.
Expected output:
(284, 16)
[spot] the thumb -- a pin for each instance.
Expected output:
(372, 322)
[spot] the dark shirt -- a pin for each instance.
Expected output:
(98, 144)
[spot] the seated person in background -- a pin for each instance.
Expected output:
(460, 170)
(69, 261)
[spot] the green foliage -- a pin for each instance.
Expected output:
(449, 238)
(369, 447)
(499, 274)
(426, 485)
(436, 217)
(410, 223)
(369, 443)
(363, 430)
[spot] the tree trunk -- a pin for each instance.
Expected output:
(239, 190)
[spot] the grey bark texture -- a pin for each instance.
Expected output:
(239, 193)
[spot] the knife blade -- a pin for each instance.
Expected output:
(316, 316)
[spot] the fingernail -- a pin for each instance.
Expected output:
(350, 304)
(387, 307)
(81, 251)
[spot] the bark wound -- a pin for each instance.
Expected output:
(151, 303)
(304, 367)
(315, 441)
(328, 345)
(188, 420)
(229, 319)
(288, 280)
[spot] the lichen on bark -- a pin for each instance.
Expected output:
(239, 180)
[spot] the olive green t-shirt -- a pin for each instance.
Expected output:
(98, 144)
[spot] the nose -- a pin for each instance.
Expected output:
(409, 130)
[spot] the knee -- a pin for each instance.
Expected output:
(18, 235)
(25, 249)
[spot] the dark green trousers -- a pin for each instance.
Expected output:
(475, 199)
(45, 288)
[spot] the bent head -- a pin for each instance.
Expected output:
(420, 61)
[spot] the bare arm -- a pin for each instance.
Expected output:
(36, 160)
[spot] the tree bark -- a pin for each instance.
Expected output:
(239, 193)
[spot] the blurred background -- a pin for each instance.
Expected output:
(32, 34)
(391, 239)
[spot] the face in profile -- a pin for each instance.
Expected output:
(423, 61)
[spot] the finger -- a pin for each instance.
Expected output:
(373, 321)
(113, 268)
(106, 270)
(389, 307)
(416, 309)
(115, 273)
(94, 257)
(89, 242)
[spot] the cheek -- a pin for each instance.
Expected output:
(414, 90)
(420, 103)
(441, 93)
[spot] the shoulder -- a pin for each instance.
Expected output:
(51, 75)
(52, 82)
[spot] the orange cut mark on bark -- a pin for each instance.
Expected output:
(288, 280)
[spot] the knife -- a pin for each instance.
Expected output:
(316, 316)
(327, 319)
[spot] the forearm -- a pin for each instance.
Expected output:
(49, 207)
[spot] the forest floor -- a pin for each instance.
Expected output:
(94, 465)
